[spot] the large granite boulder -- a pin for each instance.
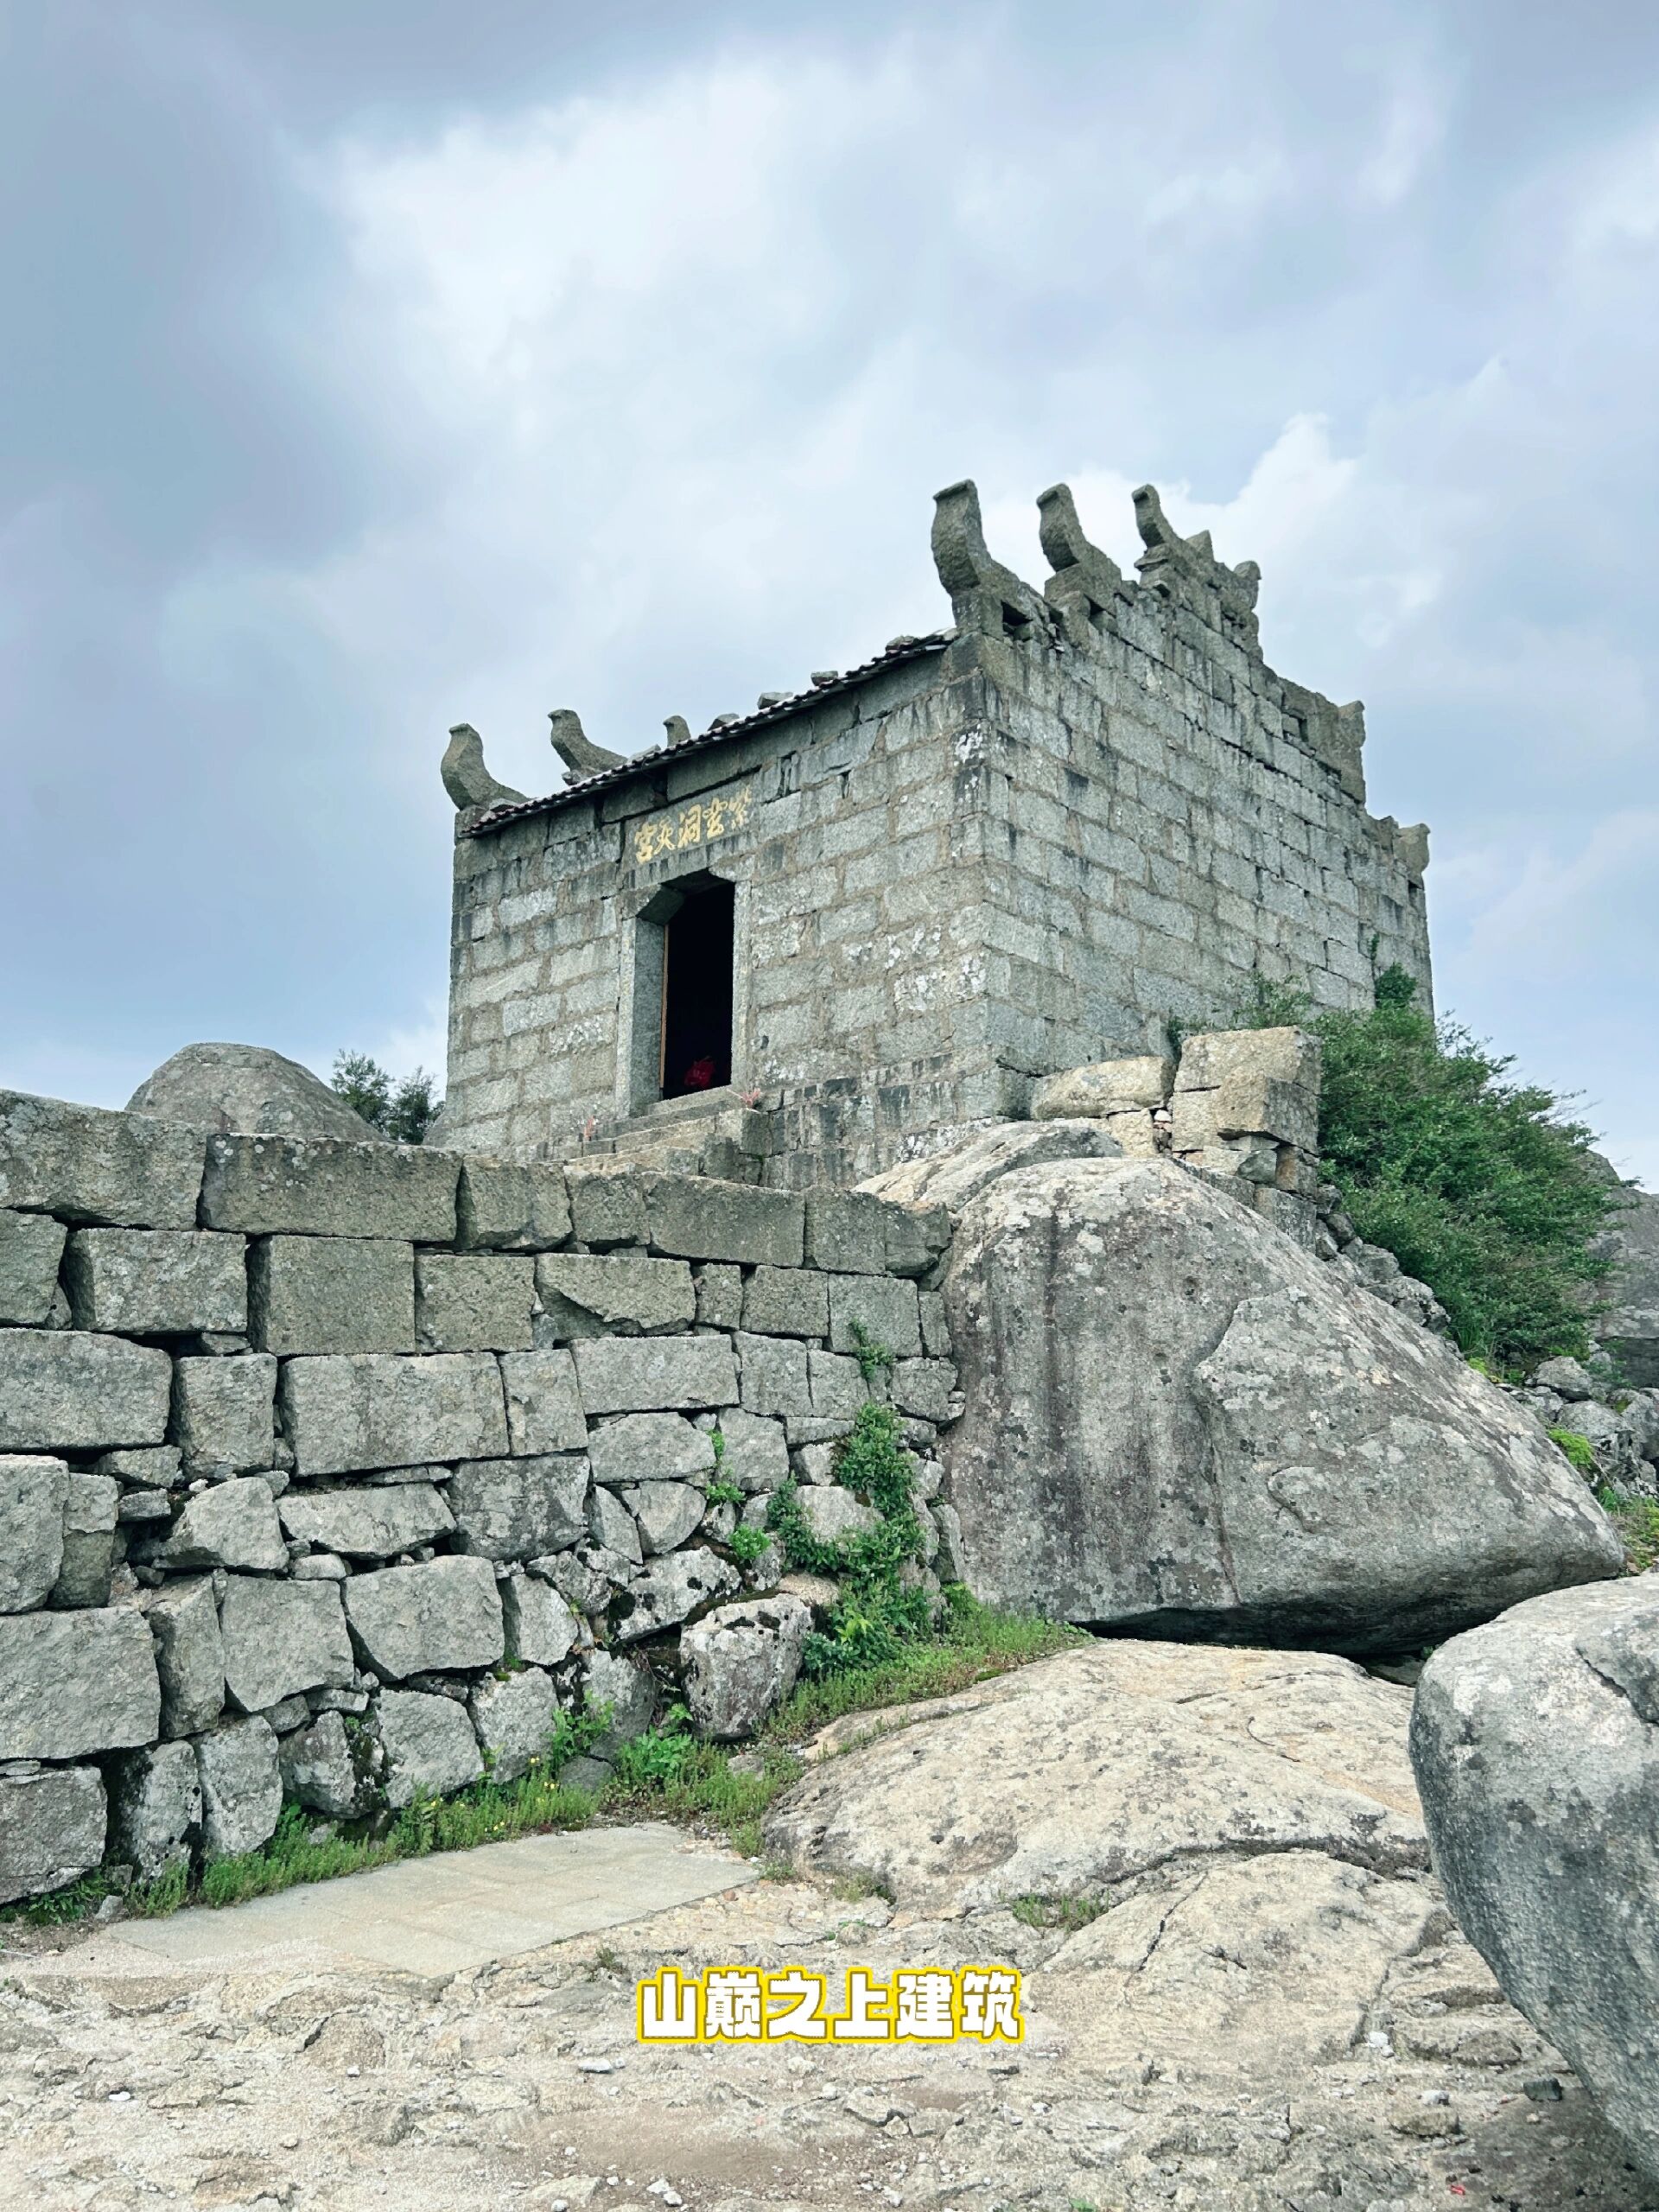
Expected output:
(1535, 1741)
(1178, 1421)
(741, 1661)
(248, 1091)
(954, 1179)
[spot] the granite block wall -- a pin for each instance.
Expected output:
(331, 1473)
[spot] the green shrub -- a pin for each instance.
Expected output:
(1480, 1186)
(1579, 1449)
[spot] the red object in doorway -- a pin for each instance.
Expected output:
(699, 1076)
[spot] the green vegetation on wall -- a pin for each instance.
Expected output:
(1481, 1187)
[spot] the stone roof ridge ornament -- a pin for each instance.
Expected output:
(467, 779)
(1186, 570)
(580, 756)
(1085, 580)
(987, 598)
(679, 730)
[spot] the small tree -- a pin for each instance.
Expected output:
(1482, 1188)
(402, 1110)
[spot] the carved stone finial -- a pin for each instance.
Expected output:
(985, 596)
(1185, 569)
(580, 755)
(679, 730)
(466, 778)
(1085, 580)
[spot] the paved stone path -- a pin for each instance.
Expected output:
(456, 1909)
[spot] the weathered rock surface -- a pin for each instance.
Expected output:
(31, 1251)
(64, 1390)
(468, 1301)
(366, 1520)
(155, 1283)
(1535, 1741)
(275, 1186)
(1136, 1085)
(519, 1509)
(33, 1490)
(1630, 1328)
(90, 1509)
(222, 1411)
(539, 1625)
(372, 1409)
(1176, 1419)
(154, 1804)
(51, 1828)
(664, 1513)
(513, 1719)
(754, 1451)
(544, 1405)
(428, 1746)
(280, 1637)
(231, 1524)
(670, 1588)
(241, 1786)
(413, 1620)
(659, 1374)
(954, 1179)
(73, 1683)
(651, 1448)
(626, 1691)
(332, 1295)
(699, 1217)
(1110, 1762)
(227, 1089)
(741, 1661)
(318, 1770)
(86, 1165)
(833, 1514)
(509, 1206)
(183, 1619)
(583, 1293)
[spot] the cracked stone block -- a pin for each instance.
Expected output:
(695, 1217)
(332, 1295)
(241, 1786)
(586, 1292)
(506, 1206)
(470, 1301)
(183, 1619)
(52, 1829)
(439, 1617)
(281, 1638)
(664, 1513)
(740, 1662)
(84, 1164)
(650, 1448)
(673, 1586)
(90, 1547)
(222, 1412)
(31, 1251)
(348, 1414)
(923, 1387)
(513, 1719)
(63, 1390)
(607, 1206)
(157, 1282)
(884, 1306)
(786, 1302)
(655, 1374)
(429, 1744)
(74, 1683)
(154, 1804)
(519, 1509)
(324, 1187)
(230, 1524)
(33, 1492)
(610, 1523)
(368, 1519)
(318, 1771)
(538, 1625)
(543, 1403)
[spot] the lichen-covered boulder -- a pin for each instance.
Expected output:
(1536, 1742)
(740, 1663)
(1177, 1420)
(246, 1090)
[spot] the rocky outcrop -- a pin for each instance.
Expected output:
(246, 1090)
(954, 1179)
(1535, 1741)
(1178, 1421)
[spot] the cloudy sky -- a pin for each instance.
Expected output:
(372, 364)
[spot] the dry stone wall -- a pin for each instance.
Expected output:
(333, 1472)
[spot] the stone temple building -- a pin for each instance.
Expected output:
(838, 932)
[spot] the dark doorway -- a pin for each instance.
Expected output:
(696, 1046)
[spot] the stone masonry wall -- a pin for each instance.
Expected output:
(333, 1472)
(1031, 843)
